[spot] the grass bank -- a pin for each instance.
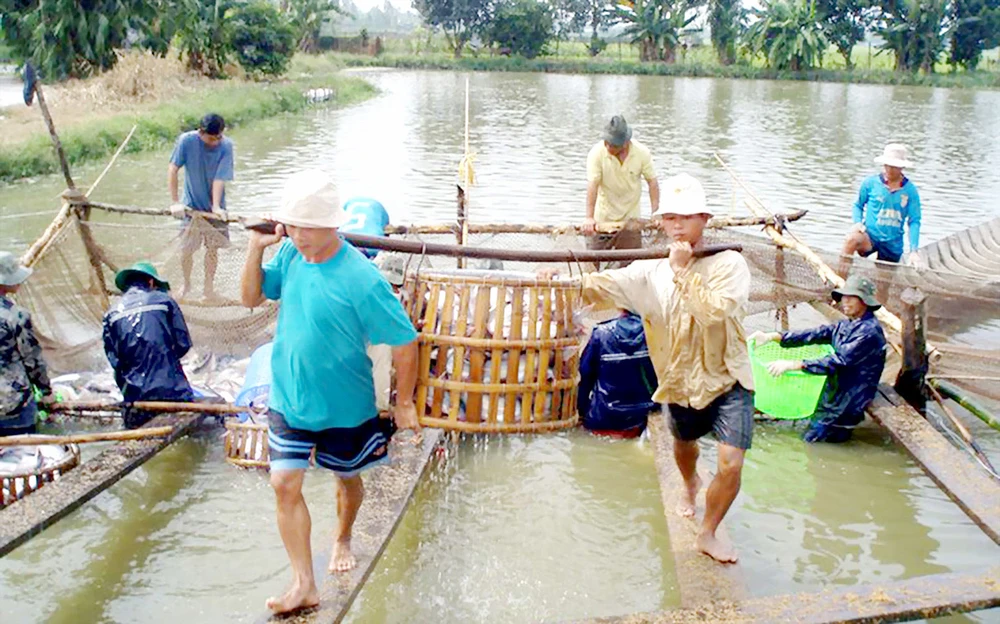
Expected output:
(93, 116)
(605, 65)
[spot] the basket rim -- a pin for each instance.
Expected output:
(751, 349)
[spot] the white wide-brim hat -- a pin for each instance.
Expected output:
(310, 200)
(894, 155)
(682, 194)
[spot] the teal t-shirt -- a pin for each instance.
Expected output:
(321, 375)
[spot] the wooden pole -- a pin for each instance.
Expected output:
(779, 278)
(971, 405)
(522, 255)
(84, 438)
(111, 162)
(149, 406)
(60, 154)
(910, 383)
(962, 430)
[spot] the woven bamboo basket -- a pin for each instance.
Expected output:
(498, 350)
(16, 485)
(246, 444)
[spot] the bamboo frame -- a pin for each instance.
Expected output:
(468, 334)
(244, 442)
(9, 482)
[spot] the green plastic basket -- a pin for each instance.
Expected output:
(792, 395)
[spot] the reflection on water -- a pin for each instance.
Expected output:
(801, 145)
(528, 529)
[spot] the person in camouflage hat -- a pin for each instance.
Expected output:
(21, 363)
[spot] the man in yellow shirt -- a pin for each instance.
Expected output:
(614, 168)
(692, 309)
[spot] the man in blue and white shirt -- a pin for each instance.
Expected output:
(886, 202)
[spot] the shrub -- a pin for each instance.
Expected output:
(261, 37)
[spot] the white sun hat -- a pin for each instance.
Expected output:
(894, 155)
(682, 194)
(310, 201)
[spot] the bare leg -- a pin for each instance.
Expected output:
(294, 524)
(187, 261)
(686, 456)
(854, 242)
(350, 493)
(721, 494)
(211, 264)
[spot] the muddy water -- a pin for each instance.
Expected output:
(187, 538)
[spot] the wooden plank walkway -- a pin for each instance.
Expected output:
(34, 513)
(954, 471)
(388, 490)
(897, 601)
(702, 580)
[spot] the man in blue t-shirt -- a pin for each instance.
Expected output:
(886, 202)
(365, 216)
(334, 302)
(207, 159)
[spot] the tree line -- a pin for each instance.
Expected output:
(787, 34)
(76, 38)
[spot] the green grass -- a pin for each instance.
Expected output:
(238, 102)
(871, 65)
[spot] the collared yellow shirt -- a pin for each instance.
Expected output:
(619, 183)
(692, 319)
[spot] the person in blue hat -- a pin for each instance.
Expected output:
(365, 216)
(853, 369)
(145, 337)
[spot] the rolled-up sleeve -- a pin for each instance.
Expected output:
(712, 300)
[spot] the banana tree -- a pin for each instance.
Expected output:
(916, 31)
(788, 34)
(657, 25)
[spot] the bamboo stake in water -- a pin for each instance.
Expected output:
(962, 429)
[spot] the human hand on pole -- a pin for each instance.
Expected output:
(762, 338)
(780, 367)
(589, 226)
(680, 255)
(178, 210)
(262, 240)
(914, 260)
(547, 273)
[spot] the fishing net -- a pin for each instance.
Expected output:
(961, 282)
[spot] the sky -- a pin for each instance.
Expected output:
(364, 5)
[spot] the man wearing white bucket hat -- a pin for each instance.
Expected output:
(692, 310)
(886, 201)
(334, 302)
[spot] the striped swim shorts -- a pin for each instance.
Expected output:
(347, 451)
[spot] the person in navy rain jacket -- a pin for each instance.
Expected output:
(145, 337)
(617, 378)
(853, 369)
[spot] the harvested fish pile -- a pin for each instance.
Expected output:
(24, 469)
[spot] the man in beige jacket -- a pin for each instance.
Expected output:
(692, 310)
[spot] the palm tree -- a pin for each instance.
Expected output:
(788, 34)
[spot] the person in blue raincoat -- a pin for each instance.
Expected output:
(854, 368)
(617, 378)
(145, 337)
(365, 216)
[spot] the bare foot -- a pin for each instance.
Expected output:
(685, 508)
(343, 559)
(717, 549)
(212, 297)
(295, 599)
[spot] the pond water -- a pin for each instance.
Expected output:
(551, 527)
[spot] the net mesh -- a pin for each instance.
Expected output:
(961, 282)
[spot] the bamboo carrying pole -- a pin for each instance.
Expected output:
(459, 251)
(84, 438)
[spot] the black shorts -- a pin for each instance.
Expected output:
(346, 451)
(729, 417)
(884, 254)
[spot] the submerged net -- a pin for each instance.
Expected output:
(961, 283)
